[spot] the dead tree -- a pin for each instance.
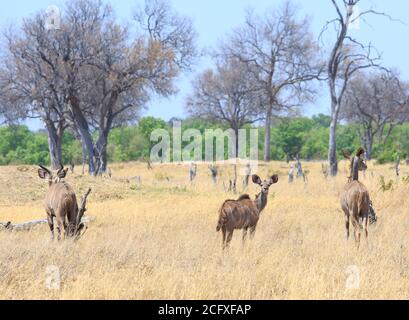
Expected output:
(29, 225)
(213, 172)
(233, 182)
(79, 226)
(228, 94)
(347, 56)
(192, 171)
(300, 172)
(247, 174)
(72, 165)
(299, 166)
(376, 102)
(397, 168)
(324, 170)
(283, 70)
(291, 174)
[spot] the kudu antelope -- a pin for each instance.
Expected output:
(60, 203)
(243, 213)
(355, 197)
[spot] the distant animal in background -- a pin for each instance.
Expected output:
(213, 171)
(247, 173)
(324, 170)
(148, 162)
(300, 172)
(299, 167)
(243, 213)
(192, 171)
(232, 186)
(72, 166)
(291, 174)
(355, 201)
(149, 165)
(397, 168)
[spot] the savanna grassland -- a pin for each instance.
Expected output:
(157, 240)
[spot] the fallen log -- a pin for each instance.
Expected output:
(28, 225)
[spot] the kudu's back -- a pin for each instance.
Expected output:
(355, 199)
(238, 214)
(243, 213)
(60, 201)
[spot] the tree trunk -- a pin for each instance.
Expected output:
(54, 143)
(106, 119)
(84, 156)
(368, 143)
(83, 129)
(332, 147)
(236, 141)
(101, 150)
(267, 138)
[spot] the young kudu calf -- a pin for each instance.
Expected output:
(355, 198)
(243, 213)
(60, 202)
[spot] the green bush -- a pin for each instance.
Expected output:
(306, 136)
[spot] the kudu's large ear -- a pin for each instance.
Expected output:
(43, 172)
(346, 154)
(273, 179)
(360, 152)
(256, 179)
(62, 172)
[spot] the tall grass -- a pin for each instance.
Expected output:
(158, 240)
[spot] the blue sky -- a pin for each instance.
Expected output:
(214, 18)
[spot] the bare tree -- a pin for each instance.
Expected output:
(213, 171)
(229, 94)
(129, 75)
(347, 56)
(280, 50)
(47, 70)
(26, 89)
(93, 74)
(376, 102)
(192, 171)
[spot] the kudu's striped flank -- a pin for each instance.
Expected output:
(243, 213)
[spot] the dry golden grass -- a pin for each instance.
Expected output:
(158, 240)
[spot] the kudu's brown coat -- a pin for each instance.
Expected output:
(60, 202)
(355, 198)
(243, 213)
